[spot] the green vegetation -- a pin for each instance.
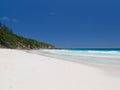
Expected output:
(10, 40)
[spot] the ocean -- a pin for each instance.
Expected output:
(91, 56)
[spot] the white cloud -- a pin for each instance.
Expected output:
(7, 19)
(15, 20)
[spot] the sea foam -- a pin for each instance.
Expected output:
(106, 57)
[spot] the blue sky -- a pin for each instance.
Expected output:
(65, 23)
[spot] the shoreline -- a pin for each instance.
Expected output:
(20, 70)
(76, 61)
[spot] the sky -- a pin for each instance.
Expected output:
(65, 23)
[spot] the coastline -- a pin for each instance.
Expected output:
(74, 60)
(20, 70)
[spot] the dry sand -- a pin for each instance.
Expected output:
(24, 71)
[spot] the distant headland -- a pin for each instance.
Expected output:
(10, 40)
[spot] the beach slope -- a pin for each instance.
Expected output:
(20, 70)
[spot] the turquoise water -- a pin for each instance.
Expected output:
(94, 56)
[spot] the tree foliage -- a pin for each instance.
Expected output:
(10, 40)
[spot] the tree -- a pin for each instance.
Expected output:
(0, 25)
(5, 28)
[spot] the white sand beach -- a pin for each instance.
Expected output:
(25, 71)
